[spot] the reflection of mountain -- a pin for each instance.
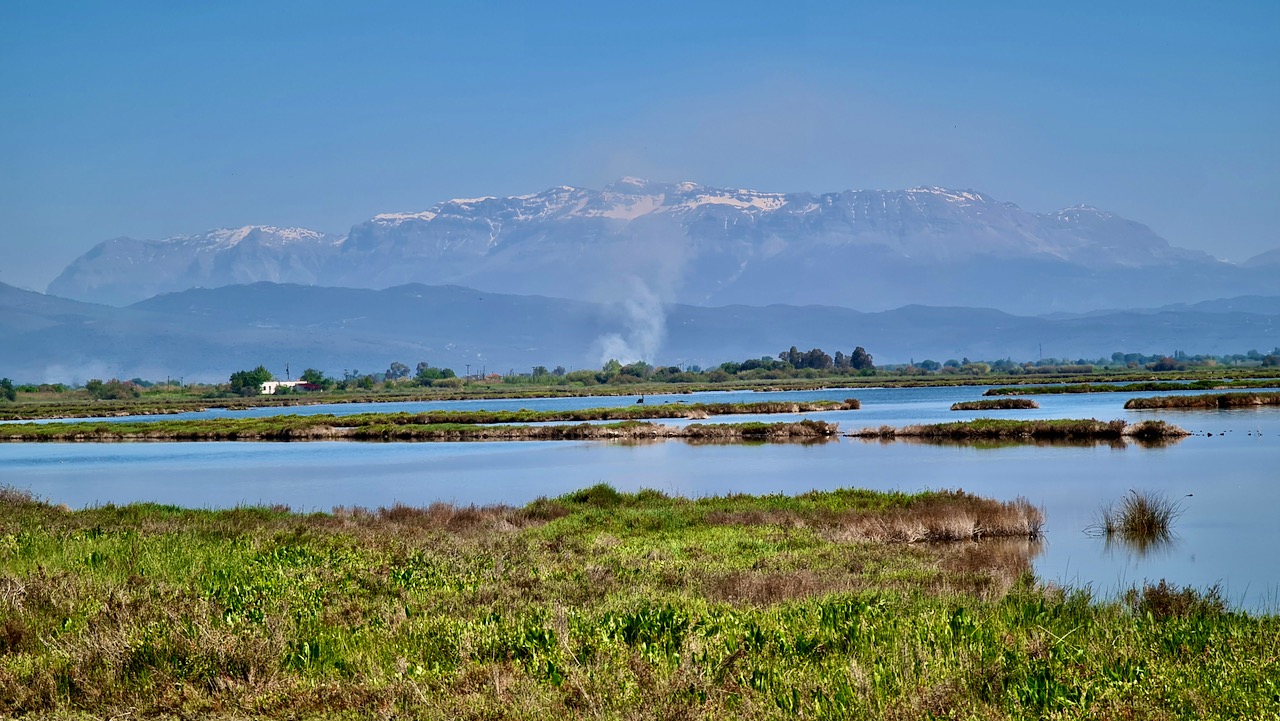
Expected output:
(209, 333)
(868, 249)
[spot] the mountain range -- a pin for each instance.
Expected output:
(205, 334)
(691, 244)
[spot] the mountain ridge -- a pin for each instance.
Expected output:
(696, 244)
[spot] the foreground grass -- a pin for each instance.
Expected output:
(596, 604)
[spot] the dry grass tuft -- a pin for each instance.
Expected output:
(942, 518)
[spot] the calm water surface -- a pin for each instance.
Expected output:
(1229, 532)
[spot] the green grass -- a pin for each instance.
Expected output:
(597, 604)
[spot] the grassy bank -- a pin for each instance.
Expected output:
(995, 404)
(1208, 400)
(398, 427)
(597, 604)
(1204, 384)
(1002, 429)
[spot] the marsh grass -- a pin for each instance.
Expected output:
(995, 404)
(1141, 520)
(1135, 387)
(594, 604)
(450, 425)
(1204, 400)
(995, 429)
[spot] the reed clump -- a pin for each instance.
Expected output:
(1204, 401)
(995, 404)
(1142, 520)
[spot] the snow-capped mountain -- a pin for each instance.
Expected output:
(124, 270)
(703, 245)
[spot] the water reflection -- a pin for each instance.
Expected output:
(1155, 545)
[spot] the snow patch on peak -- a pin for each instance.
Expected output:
(230, 237)
(398, 218)
(741, 199)
(466, 203)
(959, 197)
(1076, 212)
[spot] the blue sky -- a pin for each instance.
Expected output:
(154, 119)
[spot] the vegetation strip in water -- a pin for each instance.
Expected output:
(1004, 429)
(1219, 400)
(995, 404)
(397, 427)
(1206, 384)
(595, 604)
(166, 400)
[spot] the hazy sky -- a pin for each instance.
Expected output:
(155, 119)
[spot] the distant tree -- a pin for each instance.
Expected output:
(841, 360)
(929, 365)
(1269, 361)
(817, 359)
(316, 378)
(249, 383)
(397, 371)
(540, 371)
(7, 391)
(427, 375)
(860, 359)
(365, 383)
(1167, 364)
(558, 372)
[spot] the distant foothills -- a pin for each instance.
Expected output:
(696, 245)
(204, 335)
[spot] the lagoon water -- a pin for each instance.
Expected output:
(1228, 534)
